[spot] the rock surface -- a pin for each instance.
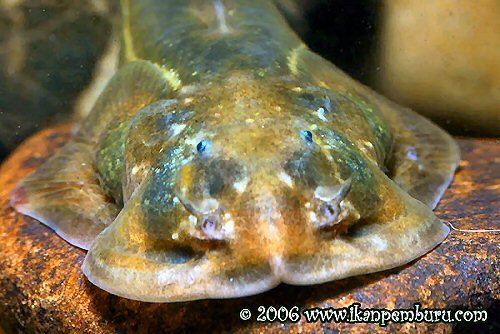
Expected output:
(42, 288)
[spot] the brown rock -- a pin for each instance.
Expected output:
(42, 288)
(442, 58)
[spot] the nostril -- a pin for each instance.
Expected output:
(330, 213)
(216, 228)
(330, 209)
(209, 225)
(329, 203)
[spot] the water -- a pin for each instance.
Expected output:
(55, 59)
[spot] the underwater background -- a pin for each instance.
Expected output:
(440, 58)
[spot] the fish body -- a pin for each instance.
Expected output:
(225, 157)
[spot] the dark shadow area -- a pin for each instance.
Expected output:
(345, 32)
(48, 53)
(3, 151)
(492, 325)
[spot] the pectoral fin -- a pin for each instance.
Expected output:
(136, 85)
(65, 194)
(424, 157)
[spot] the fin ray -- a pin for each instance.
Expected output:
(424, 158)
(64, 194)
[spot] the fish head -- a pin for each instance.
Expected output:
(262, 174)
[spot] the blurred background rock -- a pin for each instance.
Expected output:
(442, 58)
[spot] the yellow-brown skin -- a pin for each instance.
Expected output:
(232, 174)
(251, 128)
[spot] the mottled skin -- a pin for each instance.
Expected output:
(238, 159)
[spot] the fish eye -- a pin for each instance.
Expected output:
(202, 146)
(307, 135)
